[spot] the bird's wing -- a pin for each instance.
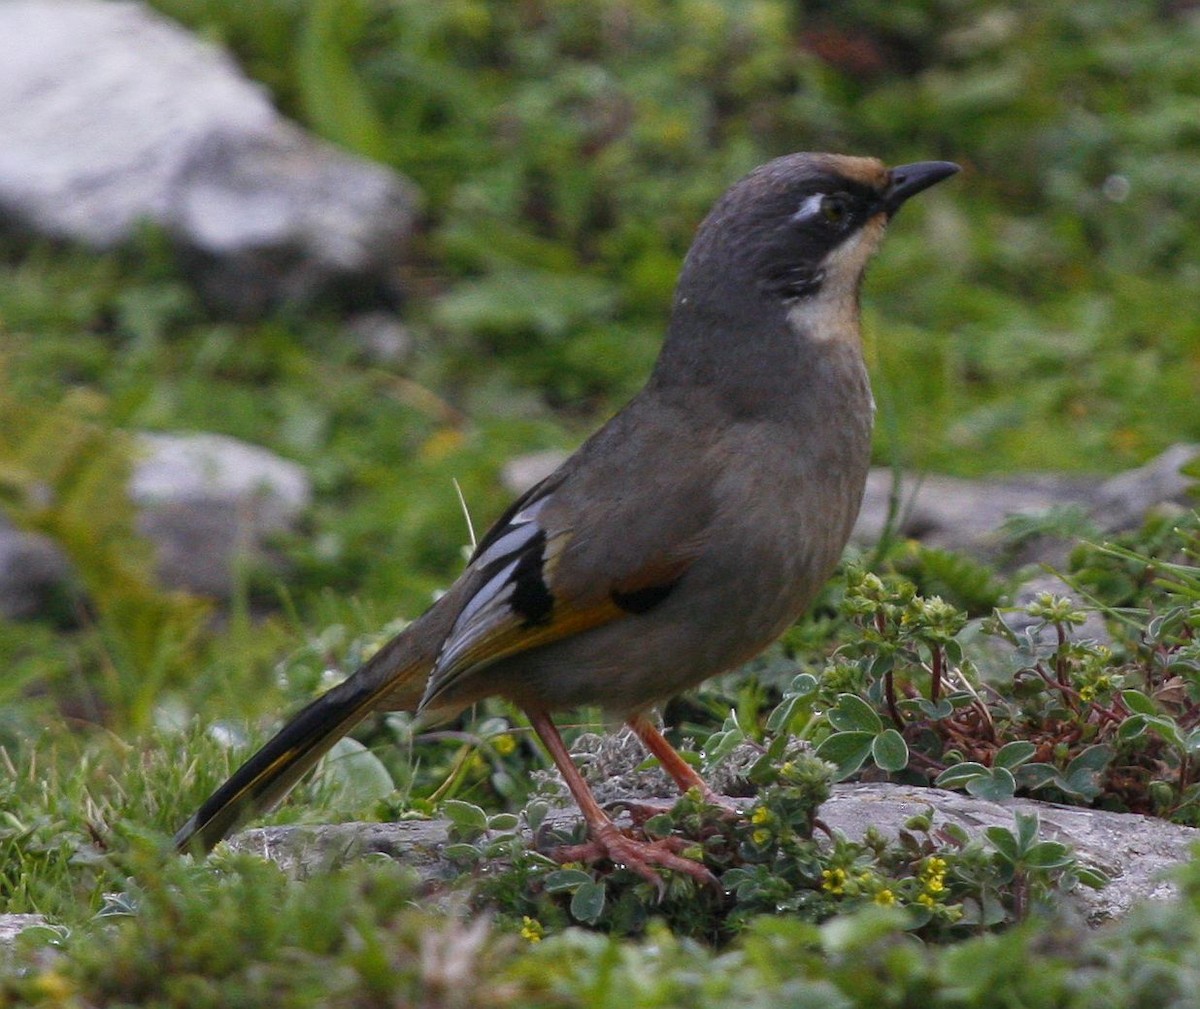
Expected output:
(551, 568)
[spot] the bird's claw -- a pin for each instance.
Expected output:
(638, 856)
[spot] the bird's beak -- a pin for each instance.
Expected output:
(908, 180)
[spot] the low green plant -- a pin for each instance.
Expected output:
(998, 706)
(767, 861)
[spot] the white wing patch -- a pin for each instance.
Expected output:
(490, 609)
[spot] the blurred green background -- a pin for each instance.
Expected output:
(1036, 313)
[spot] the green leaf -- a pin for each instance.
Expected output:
(559, 880)
(503, 821)
(853, 714)
(462, 853)
(515, 301)
(358, 777)
(535, 814)
(333, 95)
(784, 712)
(1138, 702)
(720, 745)
(959, 774)
(1167, 728)
(1048, 855)
(465, 815)
(990, 912)
(804, 685)
(1014, 754)
(588, 903)
(1094, 758)
(659, 825)
(847, 751)
(1027, 829)
(1033, 776)
(890, 751)
(1131, 728)
(1092, 877)
(998, 783)
(1004, 842)
(943, 708)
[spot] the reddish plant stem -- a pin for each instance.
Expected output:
(889, 693)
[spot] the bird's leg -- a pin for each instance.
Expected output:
(606, 840)
(683, 774)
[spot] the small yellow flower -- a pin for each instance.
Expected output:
(55, 988)
(761, 815)
(885, 898)
(1087, 692)
(504, 744)
(927, 900)
(936, 866)
(531, 929)
(761, 836)
(934, 885)
(442, 444)
(834, 880)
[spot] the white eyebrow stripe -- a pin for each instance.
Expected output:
(811, 205)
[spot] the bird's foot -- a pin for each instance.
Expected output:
(638, 856)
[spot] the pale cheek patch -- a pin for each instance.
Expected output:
(832, 313)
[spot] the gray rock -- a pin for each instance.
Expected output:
(112, 115)
(211, 502)
(1134, 851)
(32, 571)
(969, 515)
(523, 471)
(381, 338)
(1123, 501)
(12, 925)
(958, 514)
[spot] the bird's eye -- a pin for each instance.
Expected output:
(834, 209)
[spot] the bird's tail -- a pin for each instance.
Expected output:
(393, 678)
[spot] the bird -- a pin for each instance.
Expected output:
(684, 536)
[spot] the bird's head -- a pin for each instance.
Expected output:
(792, 239)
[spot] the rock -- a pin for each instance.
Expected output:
(956, 514)
(969, 515)
(1134, 851)
(1123, 501)
(33, 573)
(112, 115)
(381, 338)
(210, 502)
(523, 471)
(12, 925)
(303, 850)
